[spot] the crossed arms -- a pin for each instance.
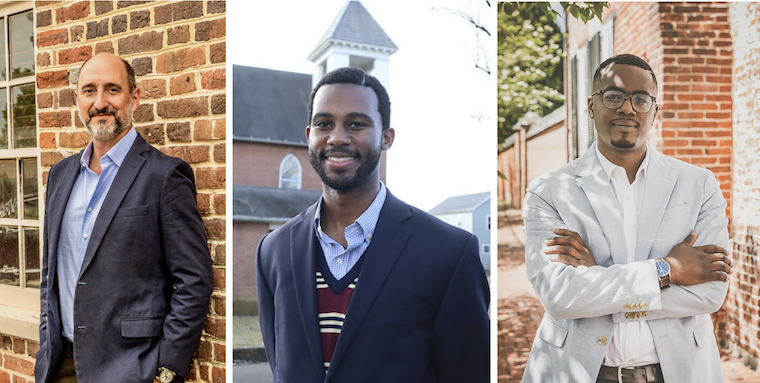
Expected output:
(571, 285)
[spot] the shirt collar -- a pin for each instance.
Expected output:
(116, 154)
(609, 167)
(366, 221)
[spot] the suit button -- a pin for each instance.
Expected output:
(603, 340)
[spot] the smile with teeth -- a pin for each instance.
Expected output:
(339, 159)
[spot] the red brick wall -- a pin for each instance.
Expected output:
(258, 164)
(742, 321)
(178, 51)
(17, 359)
(246, 237)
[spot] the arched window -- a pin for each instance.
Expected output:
(290, 173)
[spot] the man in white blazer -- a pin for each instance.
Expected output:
(625, 248)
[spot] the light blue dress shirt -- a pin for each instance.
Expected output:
(85, 201)
(358, 236)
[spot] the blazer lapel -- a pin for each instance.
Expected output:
(303, 259)
(595, 184)
(126, 175)
(388, 241)
(659, 185)
(56, 207)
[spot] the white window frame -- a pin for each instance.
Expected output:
(581, 73)
(20, 306)
(291, 157)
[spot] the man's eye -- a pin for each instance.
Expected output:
(613, 97)
(321, 124)
(356, 125)
(641, 100)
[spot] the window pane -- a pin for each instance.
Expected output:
(9, 271)
(22, 45)
(3, 68)
(3, 118)
(29, 188)
(8, 189)
(24, 120)
(290, 173)
(32, 246)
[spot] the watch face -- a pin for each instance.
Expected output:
(166, 376)
(663, 268)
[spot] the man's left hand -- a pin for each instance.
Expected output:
(569, 249)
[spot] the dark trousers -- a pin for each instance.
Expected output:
(65, 372)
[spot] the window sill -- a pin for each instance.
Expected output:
(19, 322)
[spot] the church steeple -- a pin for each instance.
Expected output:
(354, 39)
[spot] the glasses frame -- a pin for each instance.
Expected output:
(625, 97)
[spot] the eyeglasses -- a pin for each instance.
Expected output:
(614, 99)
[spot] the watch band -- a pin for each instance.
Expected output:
(664, 282)
(663, 279)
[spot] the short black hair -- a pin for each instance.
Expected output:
(626, 59)
(130, 75)
(356, 76)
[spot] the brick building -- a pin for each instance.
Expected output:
(272, 177)
(178, 52)
(706, 59)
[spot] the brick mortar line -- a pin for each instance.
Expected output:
(129, 32)
(152, 75)
(119, 11)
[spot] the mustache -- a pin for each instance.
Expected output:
(105, 111)
(345, 152)
(636, 124)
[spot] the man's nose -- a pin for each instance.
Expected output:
(627, 107)
(101, 102)
(339, 136)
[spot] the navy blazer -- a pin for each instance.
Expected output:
(418, 313)
(148, 237)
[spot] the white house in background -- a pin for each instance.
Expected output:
(470, 212)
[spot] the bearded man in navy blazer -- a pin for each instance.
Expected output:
(126, 275)
(361, 287)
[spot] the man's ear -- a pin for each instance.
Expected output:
(135, 99)
(388, 136)
(308, 131)
(591, 107)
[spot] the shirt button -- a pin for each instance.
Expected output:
(339, 260)
(85, 236)
(630, 360)
(89, 210)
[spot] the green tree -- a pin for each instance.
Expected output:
(529, 64)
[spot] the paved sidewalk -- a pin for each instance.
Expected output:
(519, 312)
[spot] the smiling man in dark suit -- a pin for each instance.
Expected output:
(126, 275)
(361, 287)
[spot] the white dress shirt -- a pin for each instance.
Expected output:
(631, 343)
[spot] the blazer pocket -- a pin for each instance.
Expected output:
(703, 333)
(142, 327)
(676, 211)
(551, 332)
(131, 211)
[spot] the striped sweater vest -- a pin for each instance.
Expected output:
(333, 297)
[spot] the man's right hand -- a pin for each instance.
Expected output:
(693, 265)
